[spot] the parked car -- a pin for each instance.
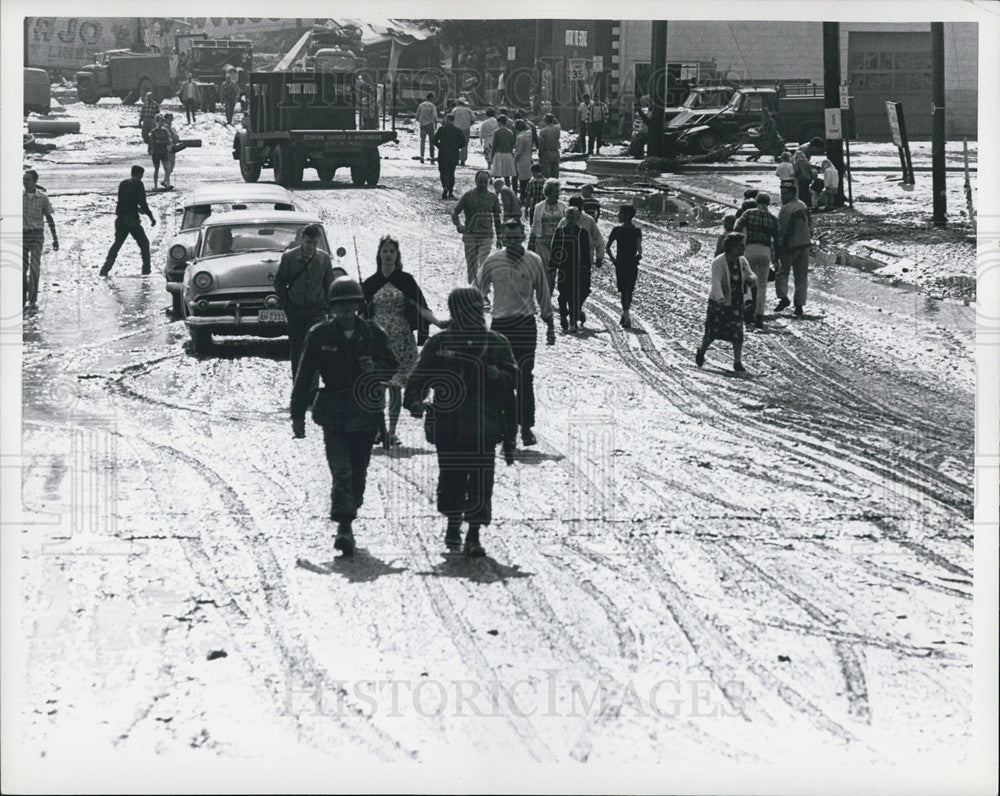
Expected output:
(201, 204)
(229, 287)
(37, 91)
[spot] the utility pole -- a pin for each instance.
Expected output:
(831, 100)
(658, 89)
(940, 217)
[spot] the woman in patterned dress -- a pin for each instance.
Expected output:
(724, 320)
(394, 301)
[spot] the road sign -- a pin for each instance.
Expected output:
(598, 63)
(512, 53)
(834, 126)
(577, 68)
(845, 98)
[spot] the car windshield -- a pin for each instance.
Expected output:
(195, 215)
(264, 237)
(706, 99)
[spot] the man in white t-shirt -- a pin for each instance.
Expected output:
(427, 115)
(463, 121)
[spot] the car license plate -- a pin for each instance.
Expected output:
(271, 316)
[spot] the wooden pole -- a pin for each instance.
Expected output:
(831, 98)
(940, 217)
(658, 88)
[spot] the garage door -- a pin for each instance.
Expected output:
(890, 67)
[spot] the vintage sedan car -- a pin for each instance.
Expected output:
(202, 203)
(229, 285)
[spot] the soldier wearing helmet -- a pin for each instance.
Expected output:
(353, 358)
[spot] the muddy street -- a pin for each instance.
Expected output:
(691, 565)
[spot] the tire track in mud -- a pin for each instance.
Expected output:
(555, 631)
(860, 469)
(850, 663)
(294, 654)
(725, 660)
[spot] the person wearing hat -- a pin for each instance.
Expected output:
(724, 319)
(472, 372)
(761, 230)
(301, 283)
(463, 117)
(355, 361)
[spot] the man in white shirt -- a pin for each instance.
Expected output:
(427, 114)
(486, 130)
(519, 281)
(463, 121)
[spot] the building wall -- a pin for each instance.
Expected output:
(787, 50)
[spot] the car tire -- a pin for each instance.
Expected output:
(201, 339)
(177, 305)
(374, 168)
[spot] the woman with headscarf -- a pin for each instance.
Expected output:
(544, 221)
(395, 302)
(724, 320)
(472, 372)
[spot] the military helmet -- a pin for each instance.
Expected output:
(345, 289)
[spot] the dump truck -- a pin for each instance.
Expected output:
(208, 60)
(299, 120)
(126, 74)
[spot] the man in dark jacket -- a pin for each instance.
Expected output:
(354, 359)
(449, 141)
(570, 257)
(131, 202)
(476, 368)
(304, 277)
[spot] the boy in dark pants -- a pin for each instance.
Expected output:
(481, 412)
(628, 241)
(354, 359)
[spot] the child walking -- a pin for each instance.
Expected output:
(627, 238)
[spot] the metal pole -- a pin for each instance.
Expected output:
(940, 217)
(847, 170)
(658, 89)
(831, 98)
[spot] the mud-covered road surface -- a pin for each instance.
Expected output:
(692, 565)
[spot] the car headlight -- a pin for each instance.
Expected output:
(271, 302)
(178, 252)
(202, 280)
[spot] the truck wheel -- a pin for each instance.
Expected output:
(706, 142)
(325, 173)
(281, 160)
(201, 339)
(250, 171)
(358, 174)
(374, 168)
(296, 168)
(86, 93)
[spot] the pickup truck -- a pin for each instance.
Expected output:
(797, 112)
(300, 120)
(125, 74)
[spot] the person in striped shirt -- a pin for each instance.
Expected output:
(36, 210)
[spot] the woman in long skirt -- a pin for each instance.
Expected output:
(724, 319)
(503, 153)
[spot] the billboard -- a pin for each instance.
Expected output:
(72, 42)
